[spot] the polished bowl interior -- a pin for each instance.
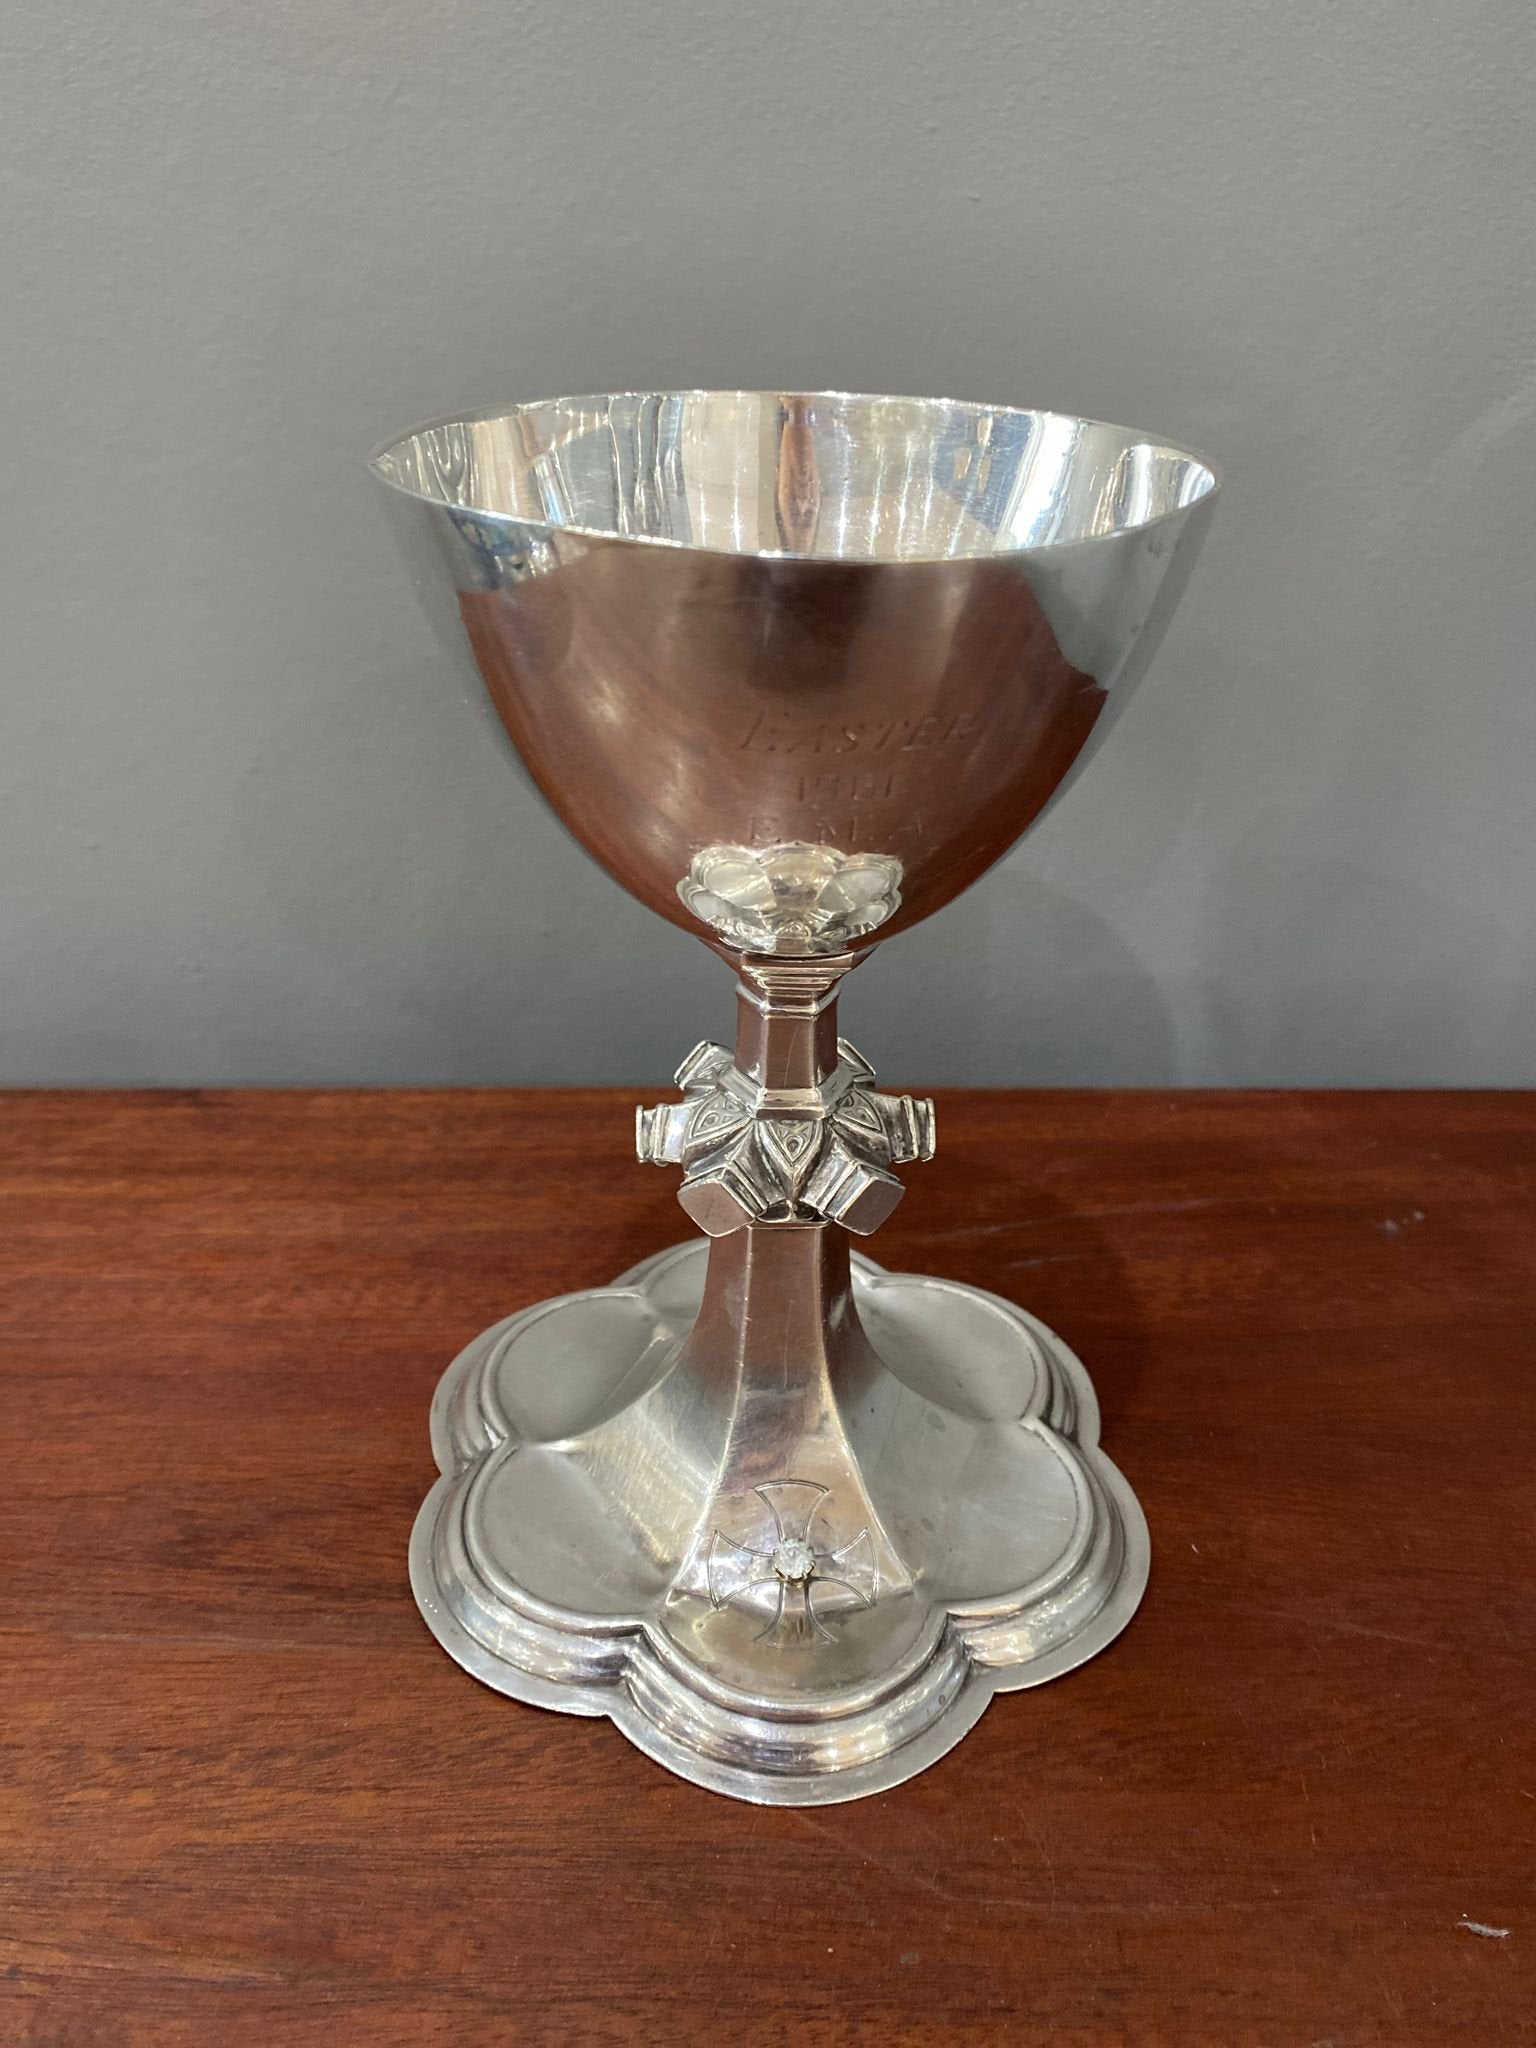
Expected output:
(828, 477)
(723, 623)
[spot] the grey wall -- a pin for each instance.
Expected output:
(250, 833)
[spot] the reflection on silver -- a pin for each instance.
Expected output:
(796, 668)
(794, 899)
(824, 474)
(603, 1461)
(890, 626)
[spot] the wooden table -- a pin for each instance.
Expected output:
(248, 1801)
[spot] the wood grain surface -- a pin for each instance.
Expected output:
(248, 1800)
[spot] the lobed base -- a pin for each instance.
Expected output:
(794, 1588)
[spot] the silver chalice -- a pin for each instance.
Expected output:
(796, 668)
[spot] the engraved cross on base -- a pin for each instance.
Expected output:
(791, 1568)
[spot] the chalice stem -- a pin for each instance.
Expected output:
(777, 1359)
(786, 1019)
(777, 1316)
(777, 1352)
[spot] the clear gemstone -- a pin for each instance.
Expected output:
(793, 1560)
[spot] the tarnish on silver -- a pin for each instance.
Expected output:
(796, 668)
(791, 899)
(755, 1155)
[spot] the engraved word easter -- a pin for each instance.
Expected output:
(777, 734)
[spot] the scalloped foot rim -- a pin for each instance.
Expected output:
(808, 1615)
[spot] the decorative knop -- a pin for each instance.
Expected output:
(796, 899)
(750, 1157)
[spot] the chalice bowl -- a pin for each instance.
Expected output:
(795, 668)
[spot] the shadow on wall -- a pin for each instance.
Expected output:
(1014, 985)
(1305, 975)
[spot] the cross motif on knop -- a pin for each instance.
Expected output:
(787, 1573)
